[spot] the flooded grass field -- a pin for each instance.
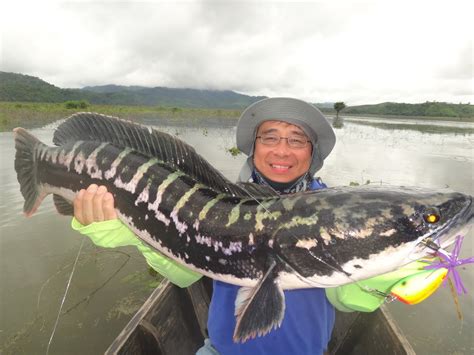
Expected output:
(109, 285)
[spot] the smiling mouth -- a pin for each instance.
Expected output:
(280, 167)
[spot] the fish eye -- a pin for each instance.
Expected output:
(431, 215)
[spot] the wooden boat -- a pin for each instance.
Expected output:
(173, 321)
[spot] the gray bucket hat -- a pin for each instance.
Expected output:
(294, 111)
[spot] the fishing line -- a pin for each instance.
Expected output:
(64, 296)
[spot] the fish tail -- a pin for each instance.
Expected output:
(26, 164)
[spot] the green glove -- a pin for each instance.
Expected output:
(107, 234)
(113, 233)
(360, 296)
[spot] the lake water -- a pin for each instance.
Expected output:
(108, 286)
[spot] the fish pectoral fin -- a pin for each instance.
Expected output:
(63, 206)
(259, 309)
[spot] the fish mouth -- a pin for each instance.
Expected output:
(458, 225)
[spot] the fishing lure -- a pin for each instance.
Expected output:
(451, 261)
(415, 288)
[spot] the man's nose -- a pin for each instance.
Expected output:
(282, 147)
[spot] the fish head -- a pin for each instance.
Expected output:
(403, 225)
(367, 231)
(393, 216)
(438, 218)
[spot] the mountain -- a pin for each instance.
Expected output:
(19, 87)
(325, 105)
(162, 96)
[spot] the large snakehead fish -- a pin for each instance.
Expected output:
(243, 234)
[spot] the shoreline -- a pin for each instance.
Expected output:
(35, 114)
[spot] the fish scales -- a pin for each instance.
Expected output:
(167, 205)
(238, 233)
(124, 171)
(191, 239)
(293, 224)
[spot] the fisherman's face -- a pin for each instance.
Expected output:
(281, 163)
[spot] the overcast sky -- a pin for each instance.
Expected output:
(322, 51)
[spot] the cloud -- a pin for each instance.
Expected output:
(367, 52)
(461, 65)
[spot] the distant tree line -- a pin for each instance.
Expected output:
(24, 88)
(431, 109)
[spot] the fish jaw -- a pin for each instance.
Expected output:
(355, 270)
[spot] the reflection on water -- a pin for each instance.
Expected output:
(109, 285)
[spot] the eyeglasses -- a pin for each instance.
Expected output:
(293, 141)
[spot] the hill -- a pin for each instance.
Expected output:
(19, 87)
(430, 109)
(25, 88)
(162, 96)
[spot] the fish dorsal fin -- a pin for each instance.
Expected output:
(86, 126)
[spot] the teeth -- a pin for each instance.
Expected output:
(280, 166)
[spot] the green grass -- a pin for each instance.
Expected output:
(32, 115)
(234, 151)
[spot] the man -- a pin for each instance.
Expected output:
(286, 141)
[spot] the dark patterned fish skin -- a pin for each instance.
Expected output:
(369, 221)
(215, 227)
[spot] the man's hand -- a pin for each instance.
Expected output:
(94, 205)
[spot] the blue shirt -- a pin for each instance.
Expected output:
(306, 326)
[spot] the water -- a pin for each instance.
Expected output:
(109, 285)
